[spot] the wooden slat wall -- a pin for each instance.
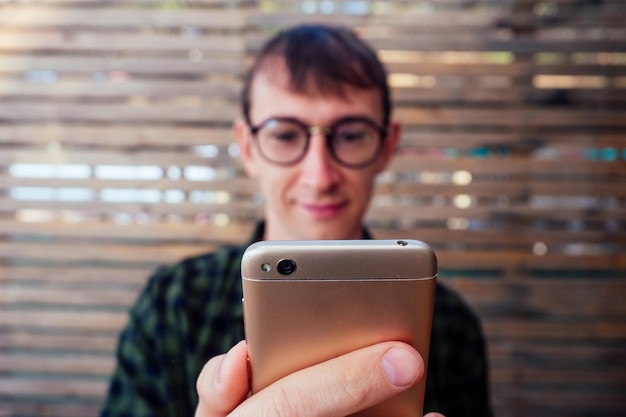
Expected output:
(116, 157)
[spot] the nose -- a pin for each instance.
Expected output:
(318, 170)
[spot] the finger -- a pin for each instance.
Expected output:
(434, 415)
(340, 386)
(223, 383)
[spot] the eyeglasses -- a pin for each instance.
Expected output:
(353, 142)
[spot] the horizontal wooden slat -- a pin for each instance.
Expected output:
(477, 94)
(241, 209)
(556, 401)
(73, 364)
(436, 65)
(519, 189)
(136, 65)
(480, 20)
(557, 354)
(514, 141)
(145, 3)
(421, 64)
(195, 113)
(513, 212)
(485, 41)
(122, 89)
(103, 366)
(96, 42)
(48, 409)
(232, 233)
(435, 42)
(404, 162)
(109, 18)
(72, 388)
(513, 330)
(64, 320)
(123, 137)
(510, 117)
(546, 298)
(33, 17)
(237, 233)
(155, 255)
(131, 137)
(102, 253)
(77, 297)
(545, 377)
(524, 235)
(523, 260)
(240, 186)
(243, 187)
(25, 111)
(282, 4)
(76, 274)
(183, 90)
(510, 165)
(53, 341)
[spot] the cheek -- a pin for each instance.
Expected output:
(274, 182)
(362, 183)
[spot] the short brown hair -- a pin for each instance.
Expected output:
(326, 56)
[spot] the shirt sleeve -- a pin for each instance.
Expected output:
(142, 385)
(458, 379)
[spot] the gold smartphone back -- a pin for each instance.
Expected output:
(309, 301)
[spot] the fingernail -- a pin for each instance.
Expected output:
(400, 366)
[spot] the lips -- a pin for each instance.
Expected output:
(324, 211)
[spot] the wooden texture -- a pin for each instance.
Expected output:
(116, 157)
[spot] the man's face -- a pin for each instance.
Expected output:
(317, 198)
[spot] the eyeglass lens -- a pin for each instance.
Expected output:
(352, 143)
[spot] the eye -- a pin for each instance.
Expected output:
(282, 133)
(351, 135)
(285, 135)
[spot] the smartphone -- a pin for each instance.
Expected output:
(306, 302)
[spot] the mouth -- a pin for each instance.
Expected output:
(324, 211)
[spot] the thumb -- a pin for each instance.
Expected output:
(340, 386)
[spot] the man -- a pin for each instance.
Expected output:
(317, 130)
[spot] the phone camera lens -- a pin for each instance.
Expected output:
(286, 266)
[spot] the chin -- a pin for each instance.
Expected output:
(331, 233)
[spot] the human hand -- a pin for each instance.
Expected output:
(337, 387)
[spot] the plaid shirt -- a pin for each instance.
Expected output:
(192, 311)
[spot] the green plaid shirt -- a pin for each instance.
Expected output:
(192, 311)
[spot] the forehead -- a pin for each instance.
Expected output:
(273, 90)
(275, 73)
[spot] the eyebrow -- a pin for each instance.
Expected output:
(334, 122)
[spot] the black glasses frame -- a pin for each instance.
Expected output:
(328, 132)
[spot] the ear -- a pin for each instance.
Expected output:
(389, 146)
(246, 151)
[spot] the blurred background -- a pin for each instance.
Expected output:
(116, 156)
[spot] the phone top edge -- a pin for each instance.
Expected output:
(333, 279)
(390, 259)
(340, 243)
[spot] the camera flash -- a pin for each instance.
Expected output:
(266, 267)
